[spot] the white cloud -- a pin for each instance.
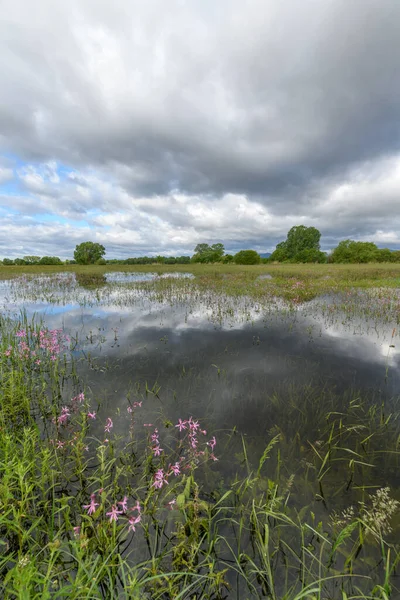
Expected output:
(5, 175)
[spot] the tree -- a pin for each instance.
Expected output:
(385, 255)
(247, 257)
(310, 255)
(301, 245)
(31, 260)
(8, 261)
(349, 251)
(280, 254)
(50, 260)
(87, 253)
(204, 253)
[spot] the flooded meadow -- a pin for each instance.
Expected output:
(164, 436)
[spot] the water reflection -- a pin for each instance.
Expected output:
(233, 363)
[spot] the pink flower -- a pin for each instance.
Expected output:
(176, 469)
(63, 418)
(77, 531)
(159, 479)
(109, 425)
(181, 424)
(194, 425)
(157, 450)
(171, 503)
(193, 440)
(80, 397)
(91, 415)
(154, 436)
(137, 404)
(91, 508)
(113, 514)
(134, 521)
(137, 507)
(124, 504)
(212, 443)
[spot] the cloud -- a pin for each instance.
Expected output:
(160, 126)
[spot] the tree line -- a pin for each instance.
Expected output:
(302, 245)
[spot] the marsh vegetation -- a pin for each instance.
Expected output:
(200, 432)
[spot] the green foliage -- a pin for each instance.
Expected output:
(385, 255)
(19, 261)
(310, 255)
(204, 253)
(8, 261)
(151, 260)
(280, 253)
(227, 258)
(301, 245)
(247, 257)
(100, 261)
(87, 253)
(349, 251)
(31, 260)
(50, 260)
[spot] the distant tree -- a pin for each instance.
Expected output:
(100, 261)
(396, 256)
(19, 261)
(350, 251)
(31, 260)
(8, 261)
(202, 248)
(385, 255)
(50, 260)
(87, 253)
(310, 255)
(301, 245)
(227, 258)
(247, 257)
(204, 253)
(280, 254)
(170, 260)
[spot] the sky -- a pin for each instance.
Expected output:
(153, 126)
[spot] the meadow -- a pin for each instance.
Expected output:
(200, 431)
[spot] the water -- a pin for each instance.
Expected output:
(244, 365)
